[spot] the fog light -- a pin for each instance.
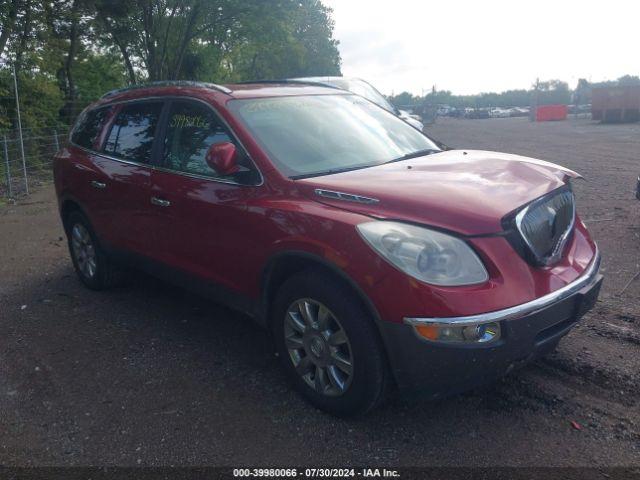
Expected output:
(449, 333)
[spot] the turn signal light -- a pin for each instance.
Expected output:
(450, 333)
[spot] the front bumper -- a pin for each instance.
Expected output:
(527, 332)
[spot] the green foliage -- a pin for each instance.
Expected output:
(97, 74)
(69, 52)
(219, 39)
(405, 99)
(5, 100)
(629, 80)
(551, 92)
(548, 92)
(622, 81)
(510, 98)
(40, 101)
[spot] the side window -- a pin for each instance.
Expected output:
(191, 129)
(88, 127)
(133, 130)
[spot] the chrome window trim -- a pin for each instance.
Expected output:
(562, 241)
(169, 170)
(111, 104)
(589, 277)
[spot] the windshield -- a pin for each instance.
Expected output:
(321, 134)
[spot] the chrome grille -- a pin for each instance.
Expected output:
(546, 224)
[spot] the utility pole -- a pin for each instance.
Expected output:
(24, 163)
(535, 100)
(55, 140)
(8, 167)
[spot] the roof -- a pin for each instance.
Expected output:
(239, 90)
(167, 83)
(279, 89)
(321, 79)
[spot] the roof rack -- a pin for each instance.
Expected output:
(169, 83)
(290, 80)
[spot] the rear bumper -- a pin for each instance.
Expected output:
(527, 332)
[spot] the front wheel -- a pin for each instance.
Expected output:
(329, 345)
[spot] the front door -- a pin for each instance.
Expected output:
(201, 216)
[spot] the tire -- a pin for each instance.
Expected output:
(324, 378)
(101, 273)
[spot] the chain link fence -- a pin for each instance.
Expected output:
(26, 159)
(34, 125)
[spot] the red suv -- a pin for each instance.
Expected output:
(373, 257)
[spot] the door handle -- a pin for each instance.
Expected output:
(160, 202)
(96, 184)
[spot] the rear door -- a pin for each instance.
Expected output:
(201, 217)
(82, 180)
(125, 165)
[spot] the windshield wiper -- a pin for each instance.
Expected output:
(329, 172)
(417, 153)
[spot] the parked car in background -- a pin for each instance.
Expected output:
(518, 111)
(373, 257)
(444, 110)
(366, 90)
(499, 113)
(578, 109)
(475, 113)
(638, 188)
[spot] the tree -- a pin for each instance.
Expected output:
(76, 49)
(213, 39)
(68, 26)
(629, 80)
(582, 93)
(404, 99)
(97, 74)
(551, 92)
(312, 28)
(157, 37)
(40, 101)
(8, 17)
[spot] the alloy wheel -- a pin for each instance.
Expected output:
(318, 347)
(83, 250)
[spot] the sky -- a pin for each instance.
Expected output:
(485, 45)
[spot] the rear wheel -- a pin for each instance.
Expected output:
(328, 344)
(93, 266)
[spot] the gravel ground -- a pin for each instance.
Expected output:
(152, 375)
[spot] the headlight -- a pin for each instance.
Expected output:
(427, 255)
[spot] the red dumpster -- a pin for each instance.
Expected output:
(546, 113)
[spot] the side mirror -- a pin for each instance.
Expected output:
(221, 157)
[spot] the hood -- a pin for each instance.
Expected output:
(463, 191)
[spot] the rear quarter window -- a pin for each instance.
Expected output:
(133, 131)
(88, 126)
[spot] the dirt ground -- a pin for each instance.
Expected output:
(152, 375)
